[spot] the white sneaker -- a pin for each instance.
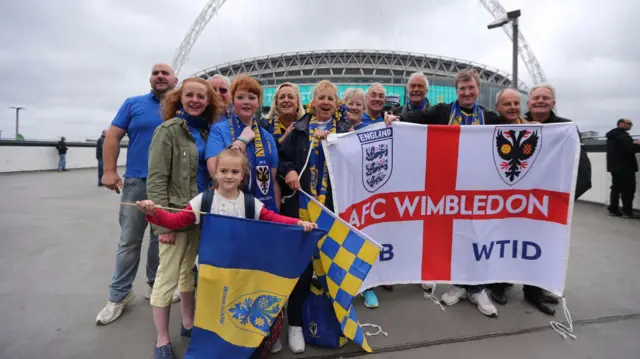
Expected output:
(277, 347)
(453, 295)
(113, 311)
(485, 306)
(428, 287)
(174, 299)
(296, 340)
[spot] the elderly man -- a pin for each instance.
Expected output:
(222, 86)
(417, 89)
(138, 117)
(375, 100)
(622, 164)
(540, 102)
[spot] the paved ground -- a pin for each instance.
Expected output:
(59, 234)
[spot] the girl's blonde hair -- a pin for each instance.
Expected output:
(274, 101)
(229, 153)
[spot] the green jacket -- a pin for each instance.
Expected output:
(173, 166)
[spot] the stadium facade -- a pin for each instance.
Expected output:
(360, 68)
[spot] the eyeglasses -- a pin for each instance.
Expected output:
(222, 90)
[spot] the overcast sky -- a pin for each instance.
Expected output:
(73, 62)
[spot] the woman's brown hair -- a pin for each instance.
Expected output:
(172, 102)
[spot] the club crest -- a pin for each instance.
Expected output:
(263, 178)
(313, 328)
(377, 157)
(515, 150)
(255, 312)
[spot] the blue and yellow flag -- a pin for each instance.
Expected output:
(342, 262)
(247, 270)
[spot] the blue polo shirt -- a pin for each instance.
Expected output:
(220, 138)
(138, 116)
(202, 178)
(367, 120)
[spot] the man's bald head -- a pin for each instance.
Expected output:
(508, 104)
(163, 78)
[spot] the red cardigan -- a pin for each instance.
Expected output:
(182, 219)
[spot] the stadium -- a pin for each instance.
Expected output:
(360, 68)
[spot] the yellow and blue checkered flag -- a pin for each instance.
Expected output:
(342, 262)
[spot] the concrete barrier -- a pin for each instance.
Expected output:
(24, 156)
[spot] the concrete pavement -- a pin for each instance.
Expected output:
(59, 234)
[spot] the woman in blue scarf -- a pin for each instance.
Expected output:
(286, 108)
(177, 173)
(243, 132)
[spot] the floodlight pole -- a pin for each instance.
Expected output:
(514, 24)
(17, 108)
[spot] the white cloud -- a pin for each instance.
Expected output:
(73, 62)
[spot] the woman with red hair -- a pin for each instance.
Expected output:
(242, 132)
(178, 148)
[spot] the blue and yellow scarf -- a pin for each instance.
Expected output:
(458, 118)
(317, 167)
(419, 107)
(276, 127)
(199, 129)
(260, 183)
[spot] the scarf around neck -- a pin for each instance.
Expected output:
(260, 182)
(459, 118)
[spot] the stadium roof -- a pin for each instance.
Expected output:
(391, 67)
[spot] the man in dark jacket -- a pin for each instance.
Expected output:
(99, 157)
(541, 101)
(464, 111)
(62, 153)
(621, 162)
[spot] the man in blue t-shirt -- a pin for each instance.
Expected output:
(138, 117)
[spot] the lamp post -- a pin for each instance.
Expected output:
(17, 108)
(512, 17)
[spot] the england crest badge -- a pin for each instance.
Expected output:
(515, 151)
(377, 157)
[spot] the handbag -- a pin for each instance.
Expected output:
(320, 326)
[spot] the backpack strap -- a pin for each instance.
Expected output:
(207, 201)
(249, 206)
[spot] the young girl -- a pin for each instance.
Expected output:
(232, 170)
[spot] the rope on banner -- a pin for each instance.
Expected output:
(564, 330)
(431, 296)
(299, 174)
(380, 331)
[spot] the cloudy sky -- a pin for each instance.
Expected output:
(73, 62)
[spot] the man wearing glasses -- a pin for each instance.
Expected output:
(621, 162)
(221, 86)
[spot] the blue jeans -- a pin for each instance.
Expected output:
(132, 228)
(100, 170)
(62, 162)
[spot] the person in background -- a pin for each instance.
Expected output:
(286, 108)
(222, 86)
(62, 154)
(99, 157)
(138, 117)
(622, 164)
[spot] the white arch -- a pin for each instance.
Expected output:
(493, 6)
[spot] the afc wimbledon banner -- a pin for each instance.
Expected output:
(460, 204)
